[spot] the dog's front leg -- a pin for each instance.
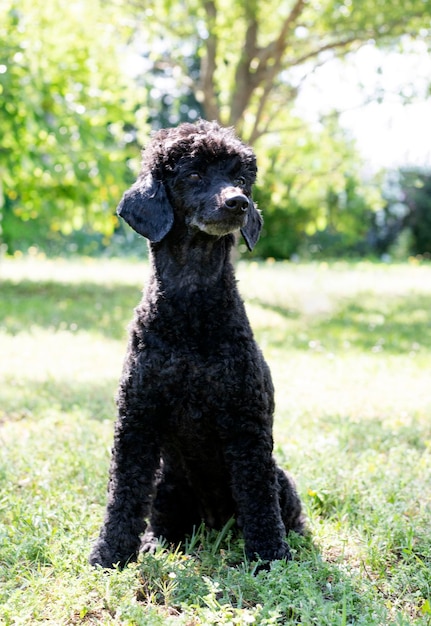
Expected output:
(255, 491)
(135, 460)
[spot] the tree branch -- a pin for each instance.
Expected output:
(333, 45)
(244, 82)
(257, 131)
(260, 129)
(207, 94)
(269, 60)
(275, 49)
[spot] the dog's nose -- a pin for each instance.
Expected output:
(238, 202)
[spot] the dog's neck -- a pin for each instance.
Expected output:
(197, 262)
(192, 281)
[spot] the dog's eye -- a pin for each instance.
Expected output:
(240, 181)
(194, 177)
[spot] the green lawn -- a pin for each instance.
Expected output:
(350, 351)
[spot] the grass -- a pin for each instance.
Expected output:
(349, 348)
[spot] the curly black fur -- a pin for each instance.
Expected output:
(193, 439)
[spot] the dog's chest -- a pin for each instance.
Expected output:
(200, 365)
(198, 387)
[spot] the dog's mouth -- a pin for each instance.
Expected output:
(219, 222)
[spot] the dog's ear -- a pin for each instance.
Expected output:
(146, 208)
(253, 226)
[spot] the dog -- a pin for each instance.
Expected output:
(193, 439)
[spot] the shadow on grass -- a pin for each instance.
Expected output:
(357, 437)
(284, 311)
(394, 325)
(20, 400)
(58, 306)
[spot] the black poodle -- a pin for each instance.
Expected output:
(193, 439)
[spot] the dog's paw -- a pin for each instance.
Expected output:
(267, 554)
(149, 542)
(103, 555)
(99, 556)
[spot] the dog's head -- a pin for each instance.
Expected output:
(201, 176)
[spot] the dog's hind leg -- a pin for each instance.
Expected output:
(290, 504)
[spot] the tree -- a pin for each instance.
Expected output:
(67, 118)
(255, 54)
(312, 195)
(416, 185)
(252, 60)
(408, 211)
(73, 107)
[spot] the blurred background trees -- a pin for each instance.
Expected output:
(67, 119)
(83, 83)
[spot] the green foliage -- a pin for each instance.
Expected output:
(67, 118)
(349, 221)
(314, 202)
(416, 186)
(349, 348)
(403, 225)
(80, 83)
